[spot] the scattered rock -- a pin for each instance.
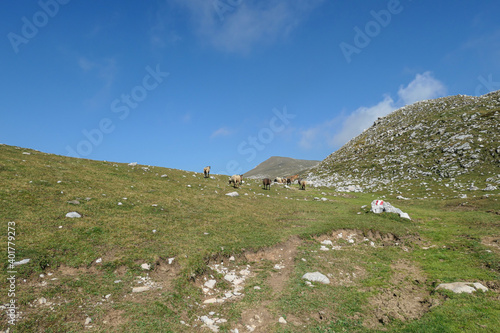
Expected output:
(140, 289)
(88, 321)
(210, 284)
(316, 277)
(462, 287)
(132, 164)
(282, 320)
(22, 262)
(146, 267)
(233, 194)
(73, 215)
(74, 202)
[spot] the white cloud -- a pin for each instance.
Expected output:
(238, 26)
(223, 131)
(361, 119)
(423, 87)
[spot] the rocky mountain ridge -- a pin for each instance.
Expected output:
(451, 142)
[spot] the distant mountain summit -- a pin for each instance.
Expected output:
(277, 166)
(451, 142)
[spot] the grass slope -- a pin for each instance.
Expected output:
(387, 261)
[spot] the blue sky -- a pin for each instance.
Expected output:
(229, 83)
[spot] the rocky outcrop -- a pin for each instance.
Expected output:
(450, 140)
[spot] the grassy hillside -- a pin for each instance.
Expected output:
(450, 142)
(277, 166)
(255, 247)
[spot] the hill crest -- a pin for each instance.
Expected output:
(451, 141)
(278, 166)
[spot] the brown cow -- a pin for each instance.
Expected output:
(267, 183)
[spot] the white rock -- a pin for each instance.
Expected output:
(146, 266)
(230, 277)
(170, 260)
(21, 262)
(316, 277)
(324, 248)
(210, 301)
(88, 321)
(140, 289)
(206, 320)
(327, 242)
(462, 287)
(405, 216)
(282, 320)
(232, 194)
(210, 284)
(98, 261)
(119, 204)
(73, 215)
(132, 164)
(256, 288)
(163, 176)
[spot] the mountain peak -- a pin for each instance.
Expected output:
(278, 166)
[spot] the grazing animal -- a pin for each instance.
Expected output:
(267, 183)
(288, 181)
(206, 171)
(293, 178)
(235, 179)
(302, 184)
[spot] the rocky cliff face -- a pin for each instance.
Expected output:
(451, 142)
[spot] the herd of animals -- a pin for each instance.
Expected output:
(266, 182)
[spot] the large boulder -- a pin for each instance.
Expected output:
(380, 206)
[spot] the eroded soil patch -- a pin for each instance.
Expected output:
(407, 298)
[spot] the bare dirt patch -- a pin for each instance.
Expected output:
(282, 256)
(164, 273)
(114, 318)
(492, 242)
(406, 299)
